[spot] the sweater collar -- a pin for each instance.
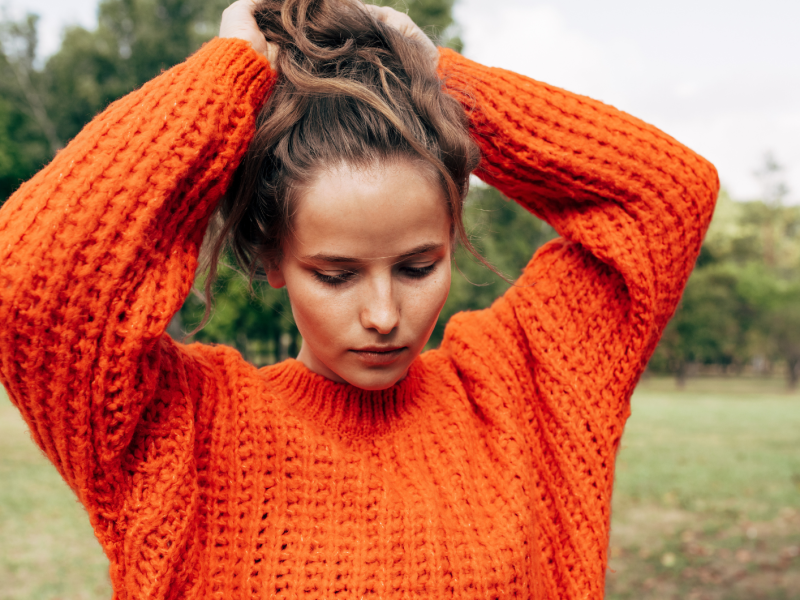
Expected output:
(353, 412)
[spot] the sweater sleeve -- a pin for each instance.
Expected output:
(99, 249)
(631, 206)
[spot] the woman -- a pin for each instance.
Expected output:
(482, 469)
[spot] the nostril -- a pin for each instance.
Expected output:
(382, 321)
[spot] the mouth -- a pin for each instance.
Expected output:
(379, 355)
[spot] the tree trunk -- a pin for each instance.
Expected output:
(242, 345)
(681, 374)
(793, 373)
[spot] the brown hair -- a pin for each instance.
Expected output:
(351, 90)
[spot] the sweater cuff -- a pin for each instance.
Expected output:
(462, 71)
(235, 67)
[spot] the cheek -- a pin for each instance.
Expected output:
(427, 302)
(321, 317)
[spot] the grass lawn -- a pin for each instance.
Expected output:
(707, 497)
(47, 548)
(707, 502)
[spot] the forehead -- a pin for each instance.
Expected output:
(373, 212)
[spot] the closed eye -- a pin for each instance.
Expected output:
(417, 272)
(337, 278)
(334, 279)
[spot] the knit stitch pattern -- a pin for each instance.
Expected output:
(486, 473)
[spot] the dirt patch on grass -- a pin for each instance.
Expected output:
(670, 554)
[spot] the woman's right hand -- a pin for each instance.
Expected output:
(406, 26)
(238, 22)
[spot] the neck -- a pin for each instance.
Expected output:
(315, 365)
(352, 412)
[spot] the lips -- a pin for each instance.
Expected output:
(379, 355)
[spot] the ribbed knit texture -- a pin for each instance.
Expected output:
(485, 473)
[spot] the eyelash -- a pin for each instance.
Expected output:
(334, 280)
(337, 280)
(418, 272)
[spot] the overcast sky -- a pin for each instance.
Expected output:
(723, 77)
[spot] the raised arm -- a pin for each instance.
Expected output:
(632, 206)
(553, 363)
(99, 250)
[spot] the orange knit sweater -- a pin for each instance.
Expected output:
(485, 473)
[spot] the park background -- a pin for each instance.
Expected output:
(707, 498)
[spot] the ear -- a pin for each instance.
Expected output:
(275, 277)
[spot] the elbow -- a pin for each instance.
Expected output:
(694, 196)
(704, 190)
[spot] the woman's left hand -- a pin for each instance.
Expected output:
(239, 22)
(406, 26)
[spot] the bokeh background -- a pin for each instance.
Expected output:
(707, 498)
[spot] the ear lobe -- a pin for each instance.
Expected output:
(275, 277)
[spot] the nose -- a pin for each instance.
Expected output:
(380, 310)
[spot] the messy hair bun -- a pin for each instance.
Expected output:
(351, 90)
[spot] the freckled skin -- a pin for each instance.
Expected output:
(375, 217)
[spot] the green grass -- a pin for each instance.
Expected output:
(47, 548)
(706, 504)
(707, 496)
(706, 450)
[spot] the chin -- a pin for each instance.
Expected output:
(374, 380)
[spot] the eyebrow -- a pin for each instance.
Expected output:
(349, 259)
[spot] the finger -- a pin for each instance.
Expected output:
(238, 21)
(381, 13)
(242, 6)
(250, 4)
(404, 24)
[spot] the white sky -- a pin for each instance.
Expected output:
(723, 77)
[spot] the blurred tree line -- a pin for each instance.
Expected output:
(741, 308)
(42, 107)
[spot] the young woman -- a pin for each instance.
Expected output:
(330, 146)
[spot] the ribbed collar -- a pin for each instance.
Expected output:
(351, 411)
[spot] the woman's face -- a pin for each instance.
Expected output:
(367, 269)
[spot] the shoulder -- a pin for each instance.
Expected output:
(487, 347)
(210, 369)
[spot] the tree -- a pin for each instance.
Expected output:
(782, 324)
(711, 325)
(134, 41)
(776, 305)
(27, 136)
(257, 322)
